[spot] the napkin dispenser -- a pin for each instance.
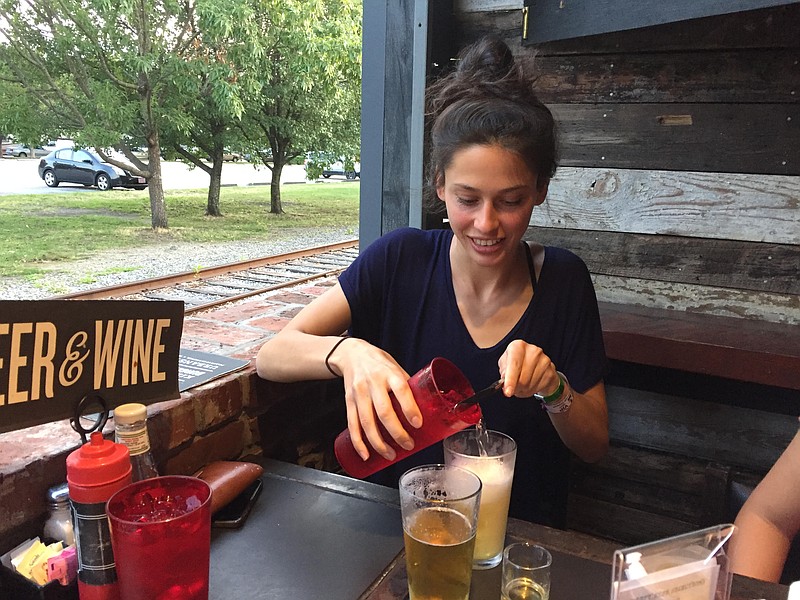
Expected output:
(691, 566)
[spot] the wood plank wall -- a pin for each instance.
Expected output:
(688, 130)
(679, 186)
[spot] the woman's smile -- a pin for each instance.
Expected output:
(490, 193)
(486, 243)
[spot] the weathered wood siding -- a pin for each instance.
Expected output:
(689, 130)
(679, 185)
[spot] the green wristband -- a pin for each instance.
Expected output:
(555, 395)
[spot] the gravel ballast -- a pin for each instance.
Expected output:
(115, 267)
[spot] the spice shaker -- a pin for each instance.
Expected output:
(58, 526)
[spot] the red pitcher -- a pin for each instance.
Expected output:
(437, 388)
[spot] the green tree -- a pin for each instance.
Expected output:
(21, 111)
(77, 58)
(204, 102)
(101, 67)
(301, 87)
(279, 77)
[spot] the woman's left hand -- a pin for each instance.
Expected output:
(526, 370)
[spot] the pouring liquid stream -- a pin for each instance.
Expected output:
(481, 434)
(481, 431)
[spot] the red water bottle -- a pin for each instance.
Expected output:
(437, 388)
(94, 472)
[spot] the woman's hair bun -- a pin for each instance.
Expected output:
(485, 69)
(489, 57)
(489, 98)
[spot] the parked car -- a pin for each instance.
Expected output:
(337, 168)
(227, 155)
(68, 165)
(17, 150)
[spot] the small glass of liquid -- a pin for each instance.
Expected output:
(526, 572)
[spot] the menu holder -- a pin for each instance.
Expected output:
(196, 367)
(691, 566)
(794, 591)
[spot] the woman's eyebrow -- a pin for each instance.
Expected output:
(469, 188)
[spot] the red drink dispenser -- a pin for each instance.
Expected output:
(94, 472)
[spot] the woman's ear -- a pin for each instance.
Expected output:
(541, 191)
(438, 181)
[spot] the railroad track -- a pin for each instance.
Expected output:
(207, 288)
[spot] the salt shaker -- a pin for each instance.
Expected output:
(58, 526)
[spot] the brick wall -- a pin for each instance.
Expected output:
(232, 417)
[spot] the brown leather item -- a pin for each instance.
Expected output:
(227, 479)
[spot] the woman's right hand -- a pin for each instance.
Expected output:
(369, 375)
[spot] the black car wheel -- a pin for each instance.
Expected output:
(50, 178)
(350, 175)
(326, 176)
(103, 182)
(22, 155)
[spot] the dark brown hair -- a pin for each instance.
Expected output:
(489, 100)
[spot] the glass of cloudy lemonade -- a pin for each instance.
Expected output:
(491, 456)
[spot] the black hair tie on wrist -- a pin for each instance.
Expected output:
(327, 358)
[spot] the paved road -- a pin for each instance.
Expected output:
(20, 176)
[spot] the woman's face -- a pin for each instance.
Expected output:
(489, 193)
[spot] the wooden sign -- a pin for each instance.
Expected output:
(53, 353)
(550, 20)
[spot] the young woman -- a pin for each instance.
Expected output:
(477, 294)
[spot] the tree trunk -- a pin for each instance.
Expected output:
(212, 206)
(275, 187)
(155, 187)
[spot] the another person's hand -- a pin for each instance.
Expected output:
(369, 375)
(526, 370)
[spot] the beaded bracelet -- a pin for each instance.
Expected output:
(327, 358)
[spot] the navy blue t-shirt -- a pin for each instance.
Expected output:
(401, 297)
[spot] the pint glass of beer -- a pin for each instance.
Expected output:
(491, 456)
(439, 506)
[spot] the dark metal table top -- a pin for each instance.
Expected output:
(310, 535)
(313, 534)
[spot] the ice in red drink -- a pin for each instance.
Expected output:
(161, 536)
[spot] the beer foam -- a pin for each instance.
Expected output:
(490, 473)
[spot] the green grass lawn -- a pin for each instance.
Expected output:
(39, 229)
